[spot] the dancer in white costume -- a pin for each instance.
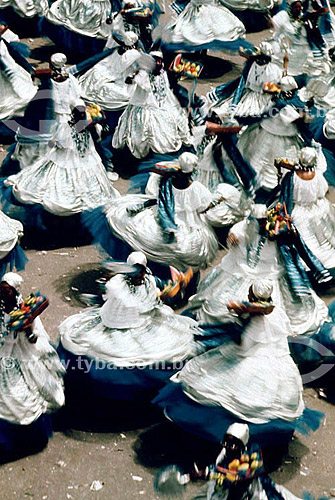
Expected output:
(133, 327)
(105, 83)
(11, 231)
(230, 376)
(235, 443)
(253, 379)
(126, 20)
(235, 456)
(16, 85)
(153, 120)
(253, 101)
(301, 58)
(312, 213)
(188, 241)
(202, 22)
(253, 256)
(26, 8)
(235, 453)
(32, 383)
(68, 177)
(278, 135)
(85, 17)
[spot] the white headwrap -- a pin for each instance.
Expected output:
(262, 289)
(187, 162)
(239, 431)
(157, 53)
(14, 280)
(266, 48)
(317, 87)
(259, 211)
(130, 38)
(137, 258)
(58, 60)
(308, 157)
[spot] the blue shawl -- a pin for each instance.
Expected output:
(18, 58)
(166, 210)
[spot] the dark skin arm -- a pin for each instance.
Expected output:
(30, 335)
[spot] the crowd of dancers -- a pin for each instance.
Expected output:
(248, 167)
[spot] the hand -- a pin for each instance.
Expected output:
(307, 117)
(129, 80)
(232, 239)
(206, 209)
(32, 338)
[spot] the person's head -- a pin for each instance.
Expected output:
(316, 88)
(159, 59)
(260, 291)
(187, 163)
(139, 261)
(58, 66)
(3, 26)
(266, 52)
(296, 9)
(307, 159)
(235, 440)
(58, 61)
(10, 290)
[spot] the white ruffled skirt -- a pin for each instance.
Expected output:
(194, 245)
(82, 16)
(224, 283)
(16, 90)
(251, 104)
(111, 96)
(164, 337)
(145, 129)
(202, 23)
(253, 387)
(31, 378)
(26, 8)
(10, 232)
(260, 148)
(69, 178)
(316, 224)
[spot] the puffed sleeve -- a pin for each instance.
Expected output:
(203, 197)
(142, 80)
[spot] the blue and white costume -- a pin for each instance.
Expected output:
(16, 85)
(255, 257)
(65, 176)
(241, 382)
(153, 120)
(203, 24)
(31, 385)
(134, 335)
